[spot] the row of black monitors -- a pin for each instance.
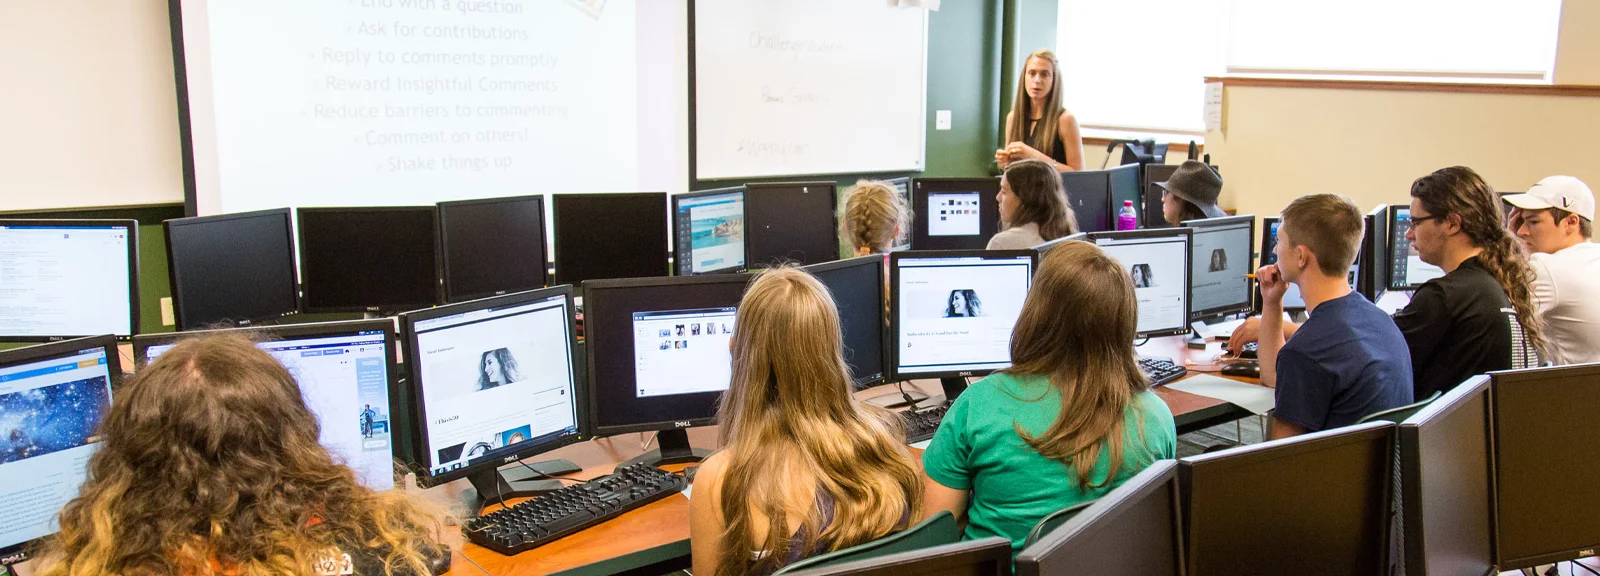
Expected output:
(1386, 260)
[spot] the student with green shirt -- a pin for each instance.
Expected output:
(1070, 420)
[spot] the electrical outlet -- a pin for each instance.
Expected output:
(941, 120)
(167, 318)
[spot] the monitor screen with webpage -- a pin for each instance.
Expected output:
(63, 278)
(1219, 258)
(953, 311)
(682, 351)
(954, 213)
(708, 231)
(1158, 262)
(1407, 271)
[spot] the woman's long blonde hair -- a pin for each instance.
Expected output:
(211, 459)
(1044, 140)
(1088, 357)
(871, 215)
(788, 414)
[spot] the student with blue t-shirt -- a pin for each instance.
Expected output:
(1348, 359)
(1070, 420)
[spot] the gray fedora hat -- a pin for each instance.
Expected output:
(1197, 183)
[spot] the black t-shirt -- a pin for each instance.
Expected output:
(1458, 326)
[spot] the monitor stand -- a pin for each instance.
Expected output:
(675, 449)
(899, 398)
(492, 485)
(953, 387)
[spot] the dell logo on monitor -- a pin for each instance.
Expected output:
(681, 424)
(964, 374)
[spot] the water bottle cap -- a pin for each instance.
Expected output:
(1127, 202)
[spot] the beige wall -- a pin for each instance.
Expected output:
(1578, 50)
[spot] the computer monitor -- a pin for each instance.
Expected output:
(1311, 504)
(52, 398)
(903, 186)
(982, 557)
(68, 278)
(1219, 257)
(492, 246)
(1124, 184)
(1152, 215)
(857, 288)
(1144, 152)
(1134, 530)
(1407, 271)
(1292, 300)
(347, 375)
(232, 269)
(708, 231)
(792, 222)
(659, 356)
(954, 213)
(1089, 195)
(368, 259)
(1158, 262)
(610, 235)
(1545, 446)
(1044, 248)
(951, 312)
(1372, 263)
(494, 383)
(1446, 484)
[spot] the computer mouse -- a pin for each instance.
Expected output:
(1247, 369)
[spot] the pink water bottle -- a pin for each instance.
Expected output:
(1127, 218)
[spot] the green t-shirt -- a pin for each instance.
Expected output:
(1012, 486)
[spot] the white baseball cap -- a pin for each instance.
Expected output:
(1564, 192)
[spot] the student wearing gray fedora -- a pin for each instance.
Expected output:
(1191, 193)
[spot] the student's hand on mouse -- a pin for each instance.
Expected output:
(1249, 331)
(1019, 151)
(1273, 286)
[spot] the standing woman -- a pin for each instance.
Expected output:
(1033, 207)
(1038, 127)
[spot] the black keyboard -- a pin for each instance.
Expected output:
(1161, 370)
(544, 519)
(921, 423)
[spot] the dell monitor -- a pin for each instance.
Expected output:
(1219, 258)
(857, 288)
(951, 312)
(347, 376)
(1407, 271)
(982, 557)
(610, 235)
(792, 222)
(708, 231)
(659, 356)
(368, 259)
(1134, 530)
(233, 269)
(1292, 300)
(1447, 484)
(1089, 196)
(1545, 447)
(492, 246)
(1044, 248)
(954, 213)
(494, 383)
(1158, 262)
(52, 398)
(67, 278)
(1311, 504)
(1153, 215)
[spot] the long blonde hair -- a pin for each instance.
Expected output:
(871, 214)
(789, 414)
(1088, 357)
(211, 456)
(1044, 139)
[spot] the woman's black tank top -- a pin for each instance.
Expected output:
(1059, 152)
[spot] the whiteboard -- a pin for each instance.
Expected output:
(802, 87)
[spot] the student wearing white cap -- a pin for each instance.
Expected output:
(1555, 219)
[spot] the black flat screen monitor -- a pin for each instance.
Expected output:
(492, 246)
(708, 231)
(792, 222)
(857, 288)
(494, 379)
(951, 312)
(1447, 484)
(1124, 183)
(1152, 216)
(954, 213)
(610, 235)
(52, 398)
(1045, 248)
(903, 186)
(1134, 530)
(1545, 447)
(1219, 258)
(1158, 262)
(347, 375)
(232, 269)
(1089, 196)
(68, 278)
(983, 557)
(1292, 300)
(368, 259)
(1312, 504)
(1372, 263)
(1407, 271)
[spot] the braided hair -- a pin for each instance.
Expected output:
(872, 212)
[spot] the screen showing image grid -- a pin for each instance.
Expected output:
(64, 281)
(1406, 261)
(682, 351)
(1156, 267)
(345, 382)
(956, 314)
(1218, 262)
(953, 214)
(494, 378)
(1291, 297)
(715, 228)
(49, 413)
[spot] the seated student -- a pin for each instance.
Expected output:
(1191, 193)
(1348, 360)
(1033, 207)
(211, 465)
(1567, 285)
(873, 217)
(804, 468)
(1069, 421)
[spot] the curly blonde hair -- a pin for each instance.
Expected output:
(872, 214)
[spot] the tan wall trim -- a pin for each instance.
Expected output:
(1580, 90)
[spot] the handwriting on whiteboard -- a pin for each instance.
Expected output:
(793, 47)
(794, 95)
(759, 148)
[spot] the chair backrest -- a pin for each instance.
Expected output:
(940, 529)
(1398, 415)
(1052, 521)
(982, 557)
